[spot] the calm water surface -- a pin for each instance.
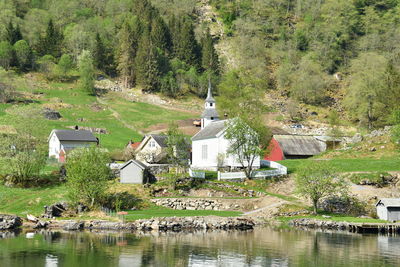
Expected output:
(260, 247)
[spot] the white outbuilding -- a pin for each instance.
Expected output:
(209, 145)
(133, 172)
(388, 209)
(63, 141)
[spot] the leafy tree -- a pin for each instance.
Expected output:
(367, 88)
(317, 180)
(23, 54)
(395, 131)
(87, 175)
(334, 123)
(86, 71)
(310, 82)
(64, 65)
(244, 144)
(6, 54)
(178, 147)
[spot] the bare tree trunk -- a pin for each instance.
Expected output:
(315, 203)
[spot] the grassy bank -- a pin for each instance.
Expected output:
(350, 165)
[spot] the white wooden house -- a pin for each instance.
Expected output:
(63, 141)
(152, 149)
(388, 209)
(209, 145)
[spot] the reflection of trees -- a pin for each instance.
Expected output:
(261, 247)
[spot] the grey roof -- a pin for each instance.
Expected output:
(210, 131)
(160, 139)
(389, 202)
(136, 162)
(299, 145)
(209, 98)
(75, 135)
(210, 112)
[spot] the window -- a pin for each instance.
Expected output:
(204, 152)
(152, 144)
(211, 104)
(212, 118)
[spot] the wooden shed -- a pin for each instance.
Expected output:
(388, 209)
(134, 172)
(296, 146)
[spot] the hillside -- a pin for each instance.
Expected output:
(118, 118)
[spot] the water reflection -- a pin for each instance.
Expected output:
(261, 247)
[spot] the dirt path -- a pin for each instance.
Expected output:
(269, 209)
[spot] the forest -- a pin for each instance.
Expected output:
(337, 54)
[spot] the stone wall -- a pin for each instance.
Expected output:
(189, 203)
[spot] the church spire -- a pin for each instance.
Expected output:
(210, 113)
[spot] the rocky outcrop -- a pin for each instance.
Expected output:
(188, 203)
(8, 222)
(319, 224)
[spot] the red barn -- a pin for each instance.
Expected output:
(275, 152)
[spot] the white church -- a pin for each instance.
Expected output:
(209, 146)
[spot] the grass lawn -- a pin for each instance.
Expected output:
(22, 201)
(156, 211)
(350, 165)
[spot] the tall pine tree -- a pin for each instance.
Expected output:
(209, 57)
(147, 64)
(50, 43)
(186, 47)
(128, 36)
(103, 56)
(13, 34)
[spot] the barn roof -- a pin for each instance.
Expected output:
(136, 162)
(389, 202)
(299, 145)
(210, 131)
(75, 135)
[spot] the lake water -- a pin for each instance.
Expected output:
(260, 247)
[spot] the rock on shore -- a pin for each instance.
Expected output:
(8, 222)
(319, 224)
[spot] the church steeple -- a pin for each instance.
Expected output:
(210, 114)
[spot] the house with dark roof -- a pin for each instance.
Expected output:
(152, 149)
(209, 145)
(63, 141)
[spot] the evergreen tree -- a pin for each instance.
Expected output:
(160, 34)
(148, 64)
(209, 57)
(50, 44)
(103, 56)
(126, 52)
(13, 34)
(6, 54)
(186, 47)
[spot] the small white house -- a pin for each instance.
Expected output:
(63, 141)
(209, 145)
(133, 172)
(152, 149)
(388, 209)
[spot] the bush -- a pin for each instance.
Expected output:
(348, 205)
(121, 201)
(379, 179)
(87, 175)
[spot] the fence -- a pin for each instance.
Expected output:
(197, 174)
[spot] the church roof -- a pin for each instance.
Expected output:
(210, 112)
(210, 131)
(209, 98)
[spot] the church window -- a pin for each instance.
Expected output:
(211, 104)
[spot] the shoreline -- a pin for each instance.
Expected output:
(175, 224)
